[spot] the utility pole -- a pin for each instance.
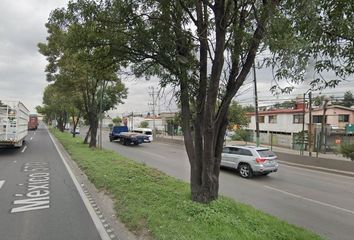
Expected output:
(310, 124)
(153, 104)
(256, 104)
(303, 125)
(322, 124)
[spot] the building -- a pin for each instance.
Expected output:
(283, 127)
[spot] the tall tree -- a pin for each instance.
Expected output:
(206, 50)
(87, 70)
(348, 100)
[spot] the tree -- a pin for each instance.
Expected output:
(237, 115)
(144, 124)
(348, 151)
(205, 49)
(195, 63)
(348, 100)
(87, 70)
(285, 104)
(117, 121)
(56, 105)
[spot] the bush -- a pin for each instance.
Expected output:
(348, 151)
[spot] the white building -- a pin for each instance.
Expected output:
(282, 126)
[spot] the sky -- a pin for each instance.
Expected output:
(22, 76)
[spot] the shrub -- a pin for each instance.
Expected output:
(348, 151)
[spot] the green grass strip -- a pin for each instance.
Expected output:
(149, 201)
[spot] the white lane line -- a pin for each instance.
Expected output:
(34, 133)
(98, 223)
(2, 183)
(24, 149)
(31, 138)
(310, 200)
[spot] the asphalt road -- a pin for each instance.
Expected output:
(38, 199)
(321, 202)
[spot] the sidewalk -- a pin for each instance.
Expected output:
(333, 163)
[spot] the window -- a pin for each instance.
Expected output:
(272, 119)
(318, 119)
(234, 150)
(343, 118)
(226, 150)
(298, 118)
(261, 119)
(266, 153)
(244, 152)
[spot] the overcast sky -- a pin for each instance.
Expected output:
(22, 75)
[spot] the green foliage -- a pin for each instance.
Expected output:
(348, 151)
(144, 124)
(237, 115)
(286, 104)
(144, 198)
(117, 121)
(241, 135)
(348, 100)
(80, 62)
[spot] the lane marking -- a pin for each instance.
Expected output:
(31, 138)
(98, 223)
(309, 199)
(2, 183)
(24, 149)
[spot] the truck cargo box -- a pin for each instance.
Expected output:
(13, 123)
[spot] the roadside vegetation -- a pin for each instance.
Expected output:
(153, 204)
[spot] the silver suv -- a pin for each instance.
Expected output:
(249, 160)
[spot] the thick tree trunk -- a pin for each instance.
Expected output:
(87, 136)
(205, 175)
(93, 120)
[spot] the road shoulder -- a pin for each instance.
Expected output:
(102, 203)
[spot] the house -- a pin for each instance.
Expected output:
(282, 127)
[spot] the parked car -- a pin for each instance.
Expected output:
(249, 160)
(146, 131)
(77, 130)
(125, 137)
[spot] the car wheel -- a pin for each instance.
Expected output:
(245, 171)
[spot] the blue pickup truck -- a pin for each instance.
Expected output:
(122, 134)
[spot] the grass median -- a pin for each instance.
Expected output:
(152, 203)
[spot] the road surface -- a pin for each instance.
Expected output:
(38, 199)
(321, 202)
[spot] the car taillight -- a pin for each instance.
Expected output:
(260, 160)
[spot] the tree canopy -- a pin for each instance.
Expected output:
(203, 48)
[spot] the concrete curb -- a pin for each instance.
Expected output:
(320, 169)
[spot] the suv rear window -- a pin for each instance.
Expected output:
(265, 153)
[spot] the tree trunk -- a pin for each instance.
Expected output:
(93, 120)
(206, 168)
(87, 135)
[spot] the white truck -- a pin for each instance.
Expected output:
(13, 123)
